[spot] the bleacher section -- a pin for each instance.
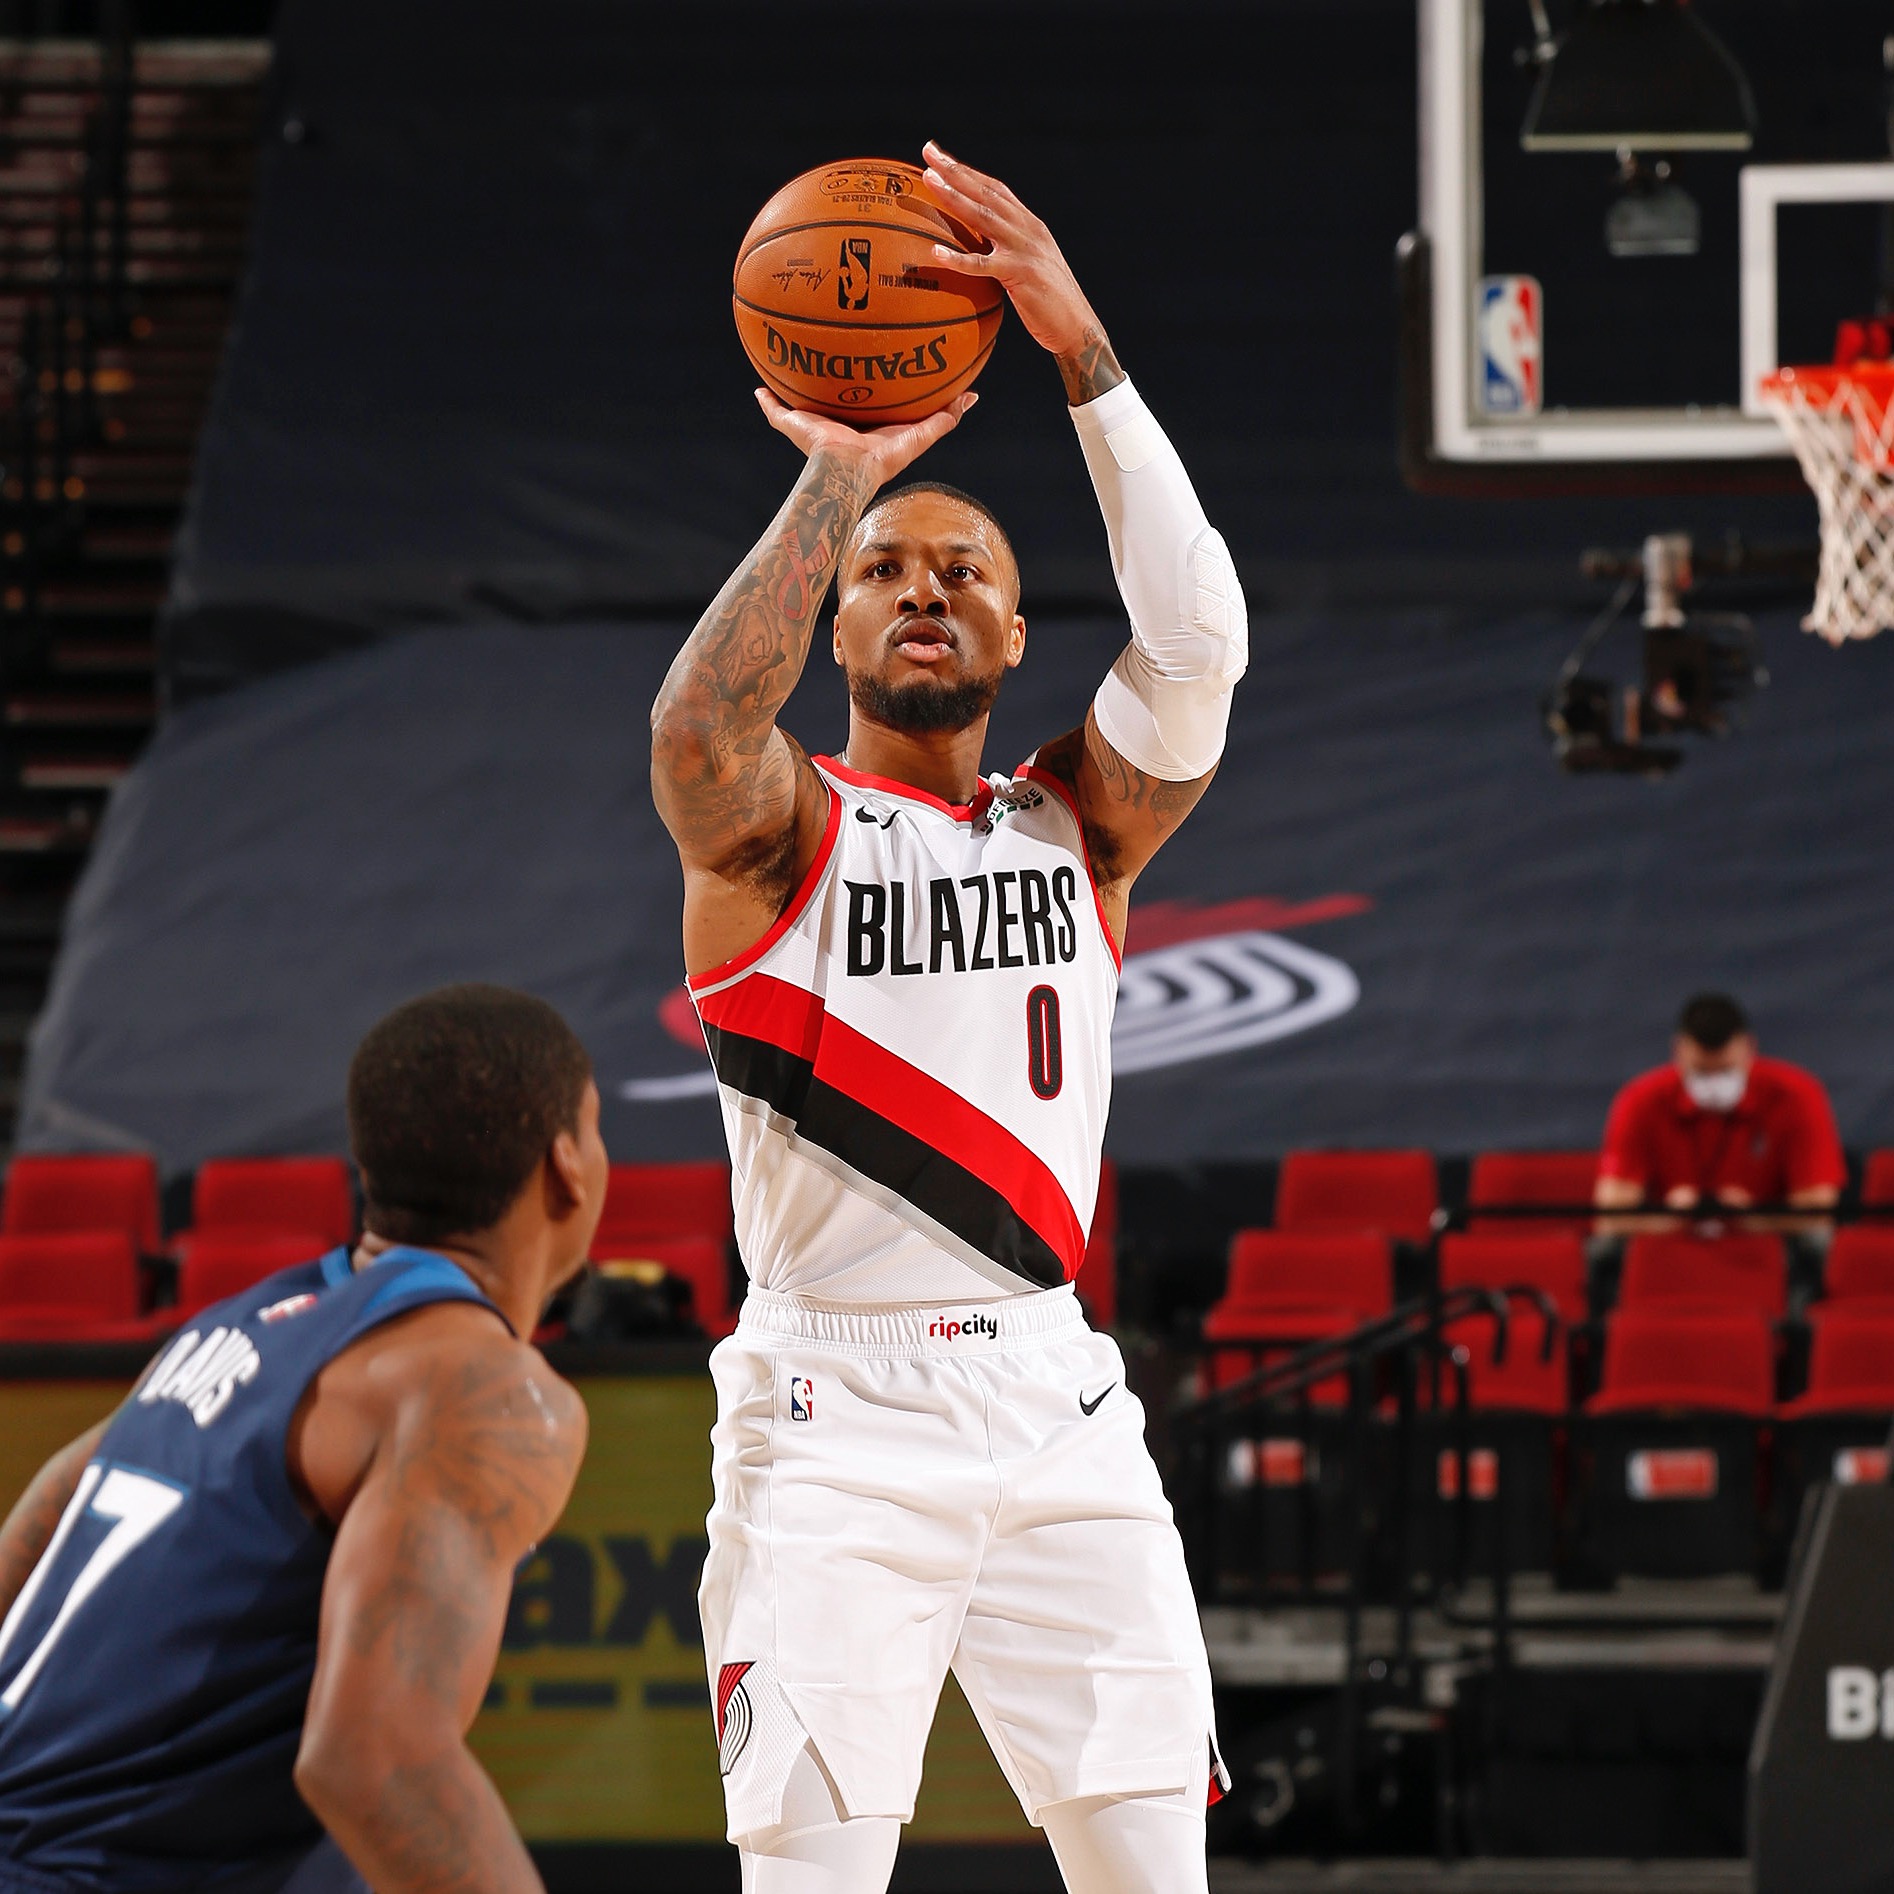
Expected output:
(1661, 1415)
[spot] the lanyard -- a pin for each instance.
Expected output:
(1707, 1174)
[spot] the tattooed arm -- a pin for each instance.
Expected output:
(739, 797)
(445, 1449)
(1127, 811)
(29, 1526)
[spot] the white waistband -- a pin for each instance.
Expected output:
(967, 1328)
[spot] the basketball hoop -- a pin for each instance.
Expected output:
(1840, 421)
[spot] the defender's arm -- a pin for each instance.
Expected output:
(476, 1456)
(739, 797)
(30, 1525)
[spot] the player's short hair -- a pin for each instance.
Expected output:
(1712, 1020)
(957, 494)
(453, 1100)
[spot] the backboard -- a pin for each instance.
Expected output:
(1599, 282)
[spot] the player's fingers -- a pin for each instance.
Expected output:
(977, 216)
(944, 420)
(975, 184)
(775, 411)
(967, 262)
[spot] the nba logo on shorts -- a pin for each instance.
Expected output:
(1512, 310)
(801, 1397)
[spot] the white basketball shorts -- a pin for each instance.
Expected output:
(897, 1492)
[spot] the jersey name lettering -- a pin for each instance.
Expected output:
(202, 1372)
(1010, 917)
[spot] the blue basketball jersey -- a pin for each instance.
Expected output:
(155, 1668)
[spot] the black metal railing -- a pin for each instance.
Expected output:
(1359, 1504)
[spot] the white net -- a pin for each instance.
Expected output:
(1841, 425)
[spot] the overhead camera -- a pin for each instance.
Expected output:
(1699, 667)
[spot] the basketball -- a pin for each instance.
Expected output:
(840, 305)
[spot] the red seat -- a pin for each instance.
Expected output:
(1877, 1180)
(1098, 1275)
(1724, 1272)
(1525, 1381)
(90, 1192)
(1505, 1179)
(303, 1194)
(1393, 1193)
(1851, 1363)
(666, 1200)
(1286, 1289)
(1552, 1260)
(213, 1264)
(701, 1261)
(1660, 1358)
(1860, 1264)
(68, 1285)
(1279, 1276)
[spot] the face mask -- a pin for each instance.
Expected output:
(1717, 1091)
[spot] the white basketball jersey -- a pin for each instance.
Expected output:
(915, 1061)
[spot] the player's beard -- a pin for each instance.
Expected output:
(924, 707)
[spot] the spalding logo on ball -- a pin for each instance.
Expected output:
(839, 302)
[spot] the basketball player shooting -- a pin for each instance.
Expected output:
(923, 1456)
(274, 1581)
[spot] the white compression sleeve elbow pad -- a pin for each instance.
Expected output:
(1165, 705)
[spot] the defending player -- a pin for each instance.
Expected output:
(906, 974)
(283, 1565)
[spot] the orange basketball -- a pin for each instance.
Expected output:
(841, 306)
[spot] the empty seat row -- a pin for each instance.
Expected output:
(74, 1231)
(1286, 1289)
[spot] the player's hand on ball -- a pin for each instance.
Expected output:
(1021, 254)
(882, 451)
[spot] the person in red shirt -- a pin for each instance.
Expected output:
(1720, 1125)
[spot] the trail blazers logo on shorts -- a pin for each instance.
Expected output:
(733, 1714)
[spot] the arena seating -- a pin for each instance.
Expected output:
(1860, 1265)
(1527, 1379)
(307, 1195)
(115, 1192)
(1659, 1359)
(1669, 1449)
(1851, 1363)
(1710, 1273)
(69, 1285)
(1392, 1193)
(1877, 1181)
(1551, 1260)
(663, 1200)
(1520, 1179)
(1290, 1287)
(216, 1263)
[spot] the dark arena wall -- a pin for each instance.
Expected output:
(485, 367)
(1391, 922)
(485, 388)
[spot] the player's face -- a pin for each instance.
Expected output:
(926, 623)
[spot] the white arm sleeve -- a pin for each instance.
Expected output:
(1165, 705)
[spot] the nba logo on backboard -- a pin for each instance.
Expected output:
(801, 1397)
(1512, 310)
